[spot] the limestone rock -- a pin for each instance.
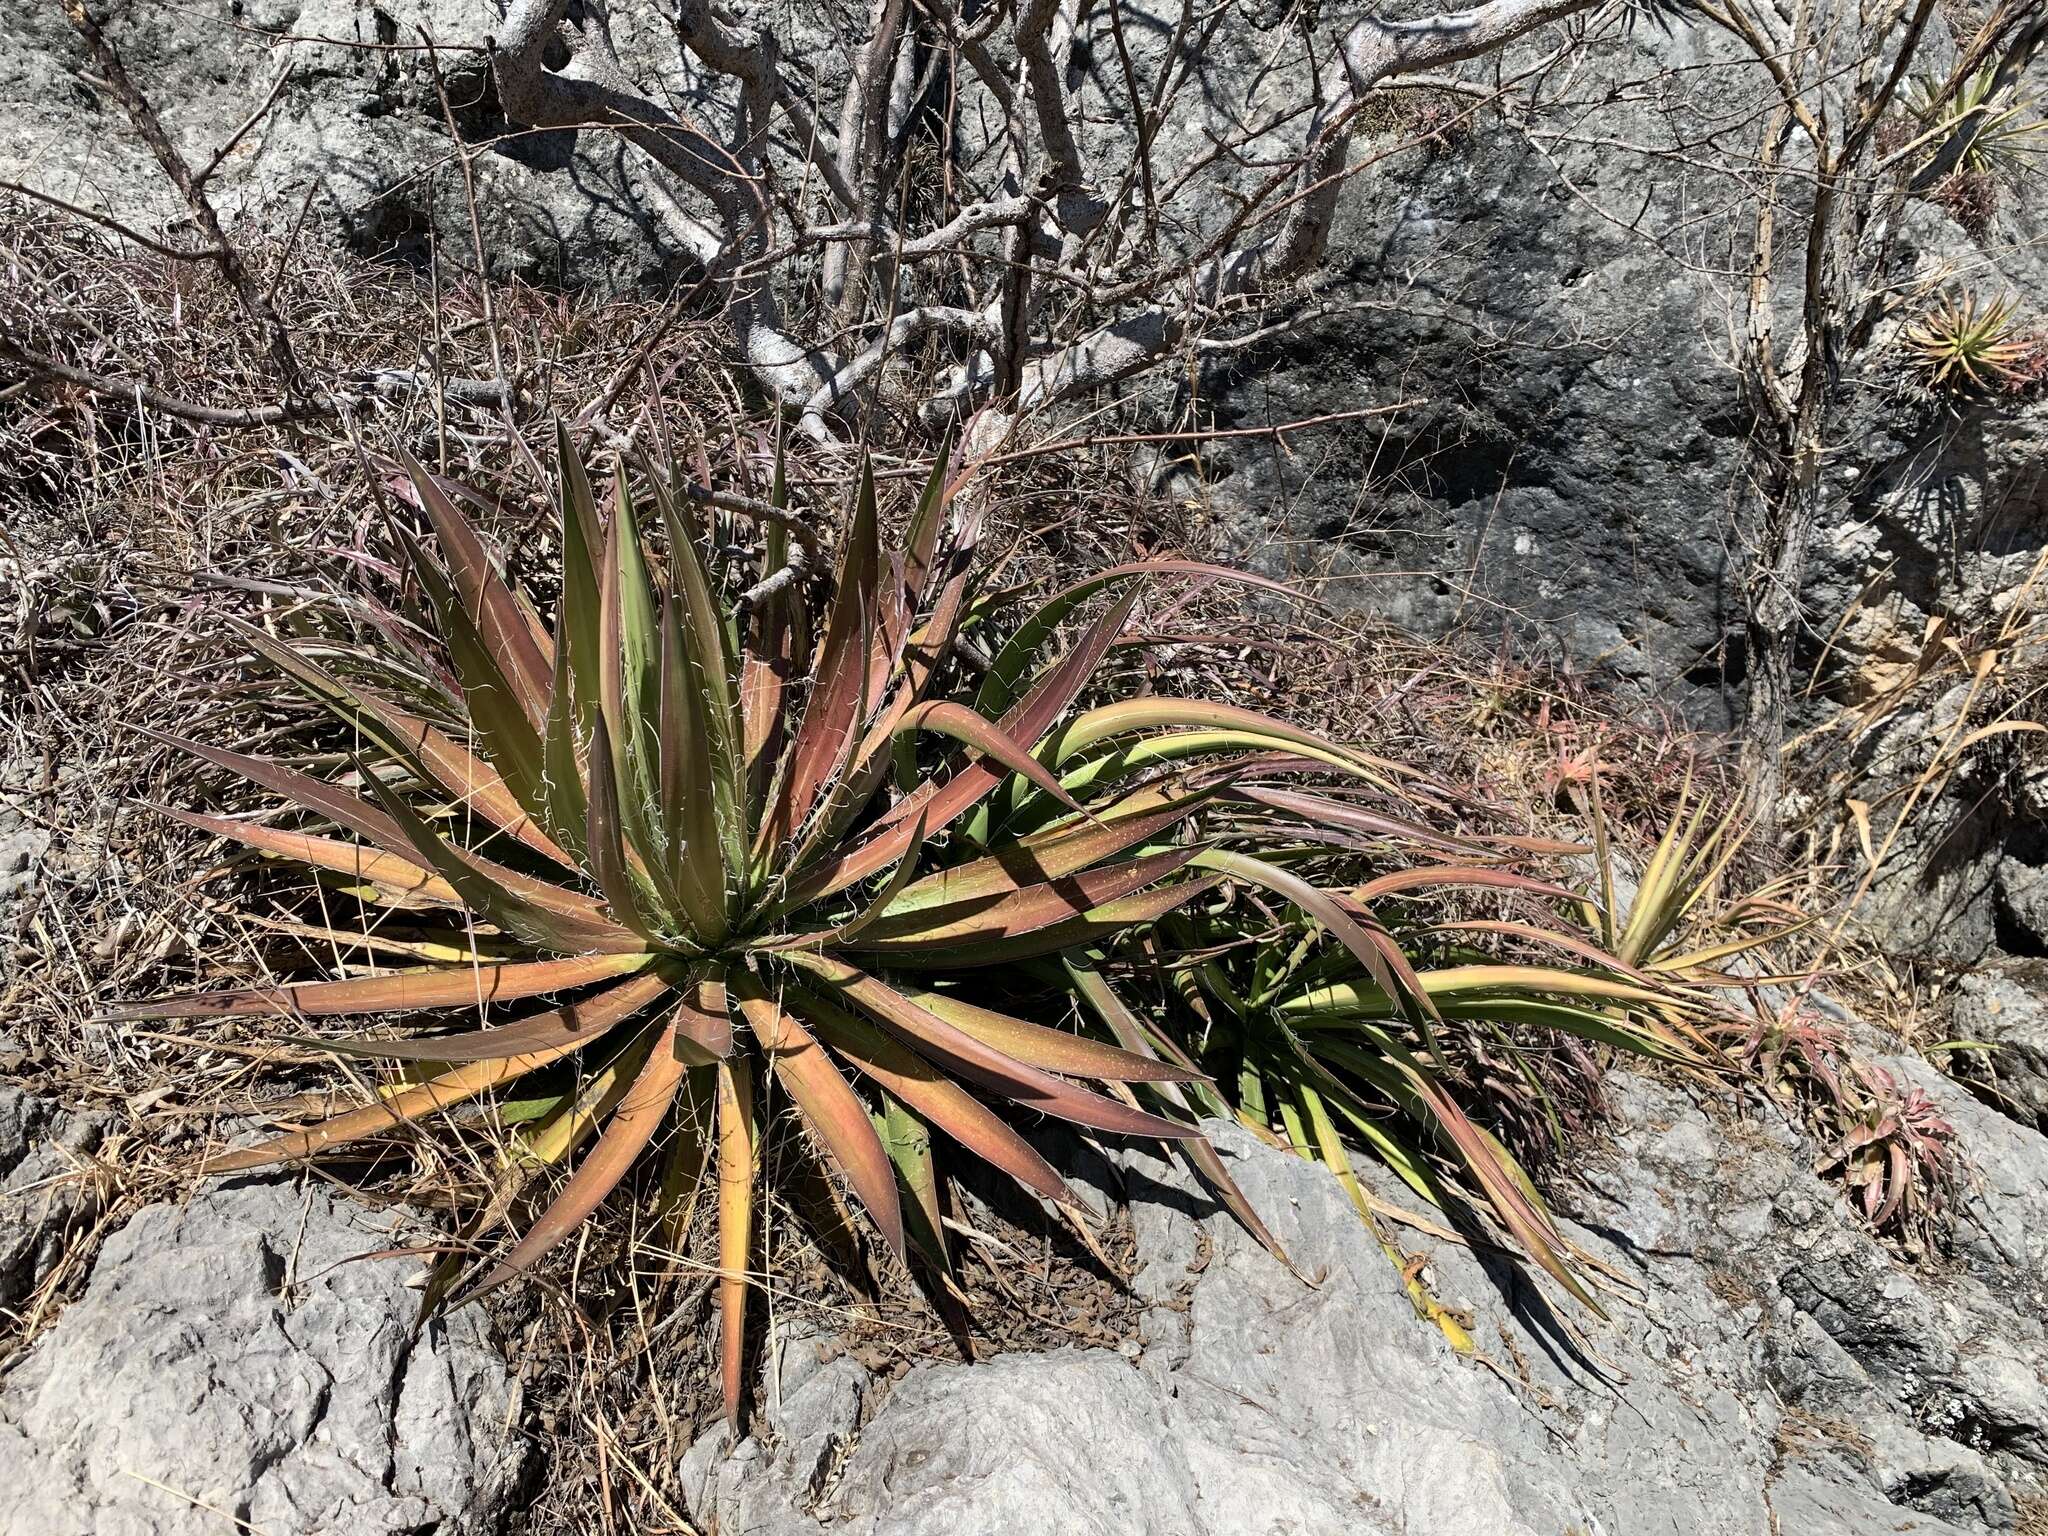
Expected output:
(1737, 1388)
(231, 1362)
(2005, 1006)
(46, 1186)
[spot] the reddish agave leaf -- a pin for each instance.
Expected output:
(961, 1053)
(605, 837)
(927, 521)
(1032, 716)
(840, 674)
(411, 991)
(1199, 1151)
(736, 1153)
(399, 878)
(964, 725)
(598, 1173)
(1013, 914)
(494, 714)
(836, 1117)
(1531, 1226)
(1092, 927)
(492, 899)
(1028, 721)
(1321, 812)
(505, 624)
(390, 1114)
(378, 827)
(474, 783)
(689, 810)
(567, 1028)
(1051, 1050)
(930, 642)
(1043, 856)
(1324, 908)
(422, 747)
(941, 1101)
(1425, 876)
(704, 1021)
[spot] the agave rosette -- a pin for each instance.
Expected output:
(711, 840)
(1968, 339)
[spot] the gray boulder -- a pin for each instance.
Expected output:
(1735, 1389)
(232, 1364)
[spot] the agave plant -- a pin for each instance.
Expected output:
(1890, 1146)
(1960, 341)
(1653, 925)
(2000, 135)
(739, 838)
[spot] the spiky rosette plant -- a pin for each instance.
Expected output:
(730, 839)
(1964, 341)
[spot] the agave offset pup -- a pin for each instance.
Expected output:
(728, 840)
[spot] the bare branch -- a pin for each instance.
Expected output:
(140, 113)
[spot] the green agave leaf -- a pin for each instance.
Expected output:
(511, 742)
(700, 621)
(629, 672)
(908, 1141)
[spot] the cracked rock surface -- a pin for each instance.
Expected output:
(230, 1368)
(1776, 1371)
(42, 1201)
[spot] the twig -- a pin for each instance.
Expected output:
(125, 231)
(262, 110)
(114, 75)
(1276, 431)
(381, 383)
(148, 395)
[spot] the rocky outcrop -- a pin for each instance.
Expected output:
(358, 145)
(1766, 1369)
(234, 1363)
(2001, 1018)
